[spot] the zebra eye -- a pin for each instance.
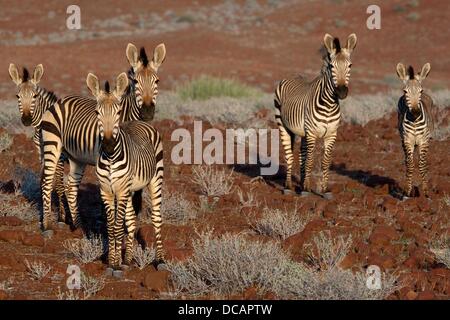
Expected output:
(350, 65)
(157, 81)
(17, 96)
(35, 96)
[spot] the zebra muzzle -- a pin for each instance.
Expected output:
(342, 92)
(26, 120)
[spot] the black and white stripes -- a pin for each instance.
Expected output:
(415, 123)
(311, 110)
(131, 159)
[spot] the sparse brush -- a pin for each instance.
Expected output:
(143, 257)
(37, 269)
(6, 285)
(6, 141)
(68, 295)
(441, 249)
(231, 263)
(446, 200)
(86, 249)
(11, 207)
(302, 282)
(176, 209)
(206, 87)
(280, 224)
(91, 285)
(213, 182)
(247, 200)
(327, 252)
(228, 264)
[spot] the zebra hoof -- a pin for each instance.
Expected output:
(288, 191)
(47, 234)
(306, 194)
(117, 273)
(61, 224)
(109, 271)
(125, 267)
(328, 196)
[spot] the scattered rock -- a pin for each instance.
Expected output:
(3, 295)
(156, 281)
(33, 240)
(12, 235)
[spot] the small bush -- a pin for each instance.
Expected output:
(327, 252)
(91, 285)
(37, 269)
(206, 87)
(280, 224)
(143, 257)
(176, 209)
(6, 141)
(85, 250)
(213, 182)
(11, 207)
(228, 264)
(441, 249)
(248, 200)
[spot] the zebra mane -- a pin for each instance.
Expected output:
(337, 45)
(143, 57)
(107, 88)
(411, 72)
(26, 75)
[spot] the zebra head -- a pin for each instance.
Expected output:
(108, 108)
(339, 63)
(28, 93)
(412, 85)
(144, 77)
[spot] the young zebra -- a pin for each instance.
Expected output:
(415, 123)
(71, 124)
(33, 101)
(131, 159)
(311, 110)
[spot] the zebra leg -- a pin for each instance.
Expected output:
(119, 227)
(130, 223)
(155, 190)
(326, 161)
(59, 187)
(287, 140)
(423, 167)
(108, 201)
(409, 162)
(73, 183)
(52, 153)
(310, 147)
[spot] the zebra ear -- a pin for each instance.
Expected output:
(37, 74)
(14, 74)
(132, 55)
(351, 42)
(93, 84)
(159, 55)
(401, 72)
(425, 71)
(328, 42)
(121, 84)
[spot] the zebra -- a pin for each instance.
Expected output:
(311, 110)
(33, 101)
(415, 123)
(71, 125)
(131, 159)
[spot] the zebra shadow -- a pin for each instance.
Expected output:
(91, 209)
(368, 179)
(253, 171)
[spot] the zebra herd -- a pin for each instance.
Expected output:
(111, 131)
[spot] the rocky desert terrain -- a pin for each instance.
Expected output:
(230, 232)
